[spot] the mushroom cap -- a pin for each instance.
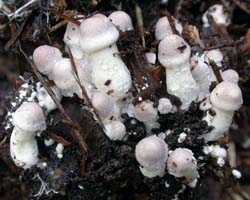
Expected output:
(231, 76)
(219, 15)
(151, 152)
(151, 57)
(173, 51)
(29, 117)
(226, 96)
(162, 28)
(115, 130)
(45, 58)
(121, 20)
(214, 55)
(145, 111)
(72, 33)
(165, 105)
(104, 104)
(97, 32)
(181, 163)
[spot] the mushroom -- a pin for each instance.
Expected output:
(152, 153)
(151, 57)
(45, 58)
(174, 54)
(225, 98)
(105, 106)
(182, 164)
(65, 79)
(109, 73)
(165, 106)
(163, 28)
(28, 119)
(219, 15)
(121, 20)
(45, 100)
(231, 76)
(146, 113)
(72, 39)
(115, 130)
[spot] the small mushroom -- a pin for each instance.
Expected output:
(225, 98)
(231, 76)
(115, 130)
(182, 164)
(121, 20)
(165, 106)
(174, 54)
(152, 153)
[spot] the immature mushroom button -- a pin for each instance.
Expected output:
(231, 76)
(174, 54)
(163, 28)
(152, 153)
(182, 163)
(29, 117)
(121, 20)
(45, 58)
(165, 106)
(115, 130)
(225, 98)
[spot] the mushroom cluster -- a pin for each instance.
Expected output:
(95, 68)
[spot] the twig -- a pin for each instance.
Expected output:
(57, 26)
(171, 21)
(60, 139)
(61, 15)
(76, 132)
(139, 19)
(84, 93)
(215, 70)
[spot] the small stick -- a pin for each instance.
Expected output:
(76, 132)
(242, 6)
(139, 19)
(74, 21)
(215, 70)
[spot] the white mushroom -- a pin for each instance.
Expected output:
(217, 12)
(121, 20)
(152, 153)
(146, 113)
(165, 106)
(45, 58)
(151, 57)
(174, 54)
(226, 98)
(28, 119)
(115, 130)
(182, 164)
(72, 39)
(109, 73)
(231, 76)
(65, 79)
(45, 100)
(163, 28)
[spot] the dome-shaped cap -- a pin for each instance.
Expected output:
(97, 32)
(29, 117)
(145, 111)
(231, 76)
(151, 152)
(226, 96)
(121, 20)
(181, 163)
(173, 51)
(45, 58)
(115, 130)
(103, 103)
(162, 28)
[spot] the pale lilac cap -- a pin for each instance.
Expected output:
(121, 20)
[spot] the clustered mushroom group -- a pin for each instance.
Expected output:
(108, 84)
